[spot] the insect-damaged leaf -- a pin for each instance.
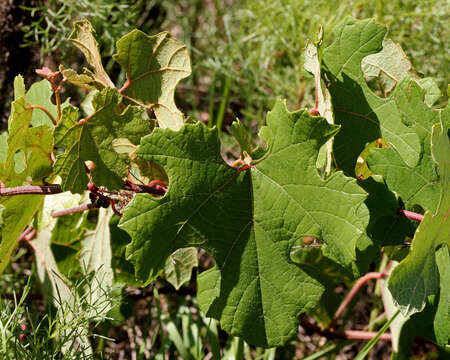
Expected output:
(92, 139)
(363, 115)
(154, 66)
(248, 220)
(417, 276)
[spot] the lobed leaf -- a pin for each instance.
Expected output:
(92, 139)
(418, 184)
(417, 276)
(363, 115)
(29, 147)
(154, 66)
(82, 37)
(248, 220)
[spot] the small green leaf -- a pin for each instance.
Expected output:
(240, 133)
(85, 81)
(179, 265)
(417, 276)
(154, 66)
(248, 220)
(92, 139)
(432, 91)
(82, 37)
(35, 145)
(16, 216)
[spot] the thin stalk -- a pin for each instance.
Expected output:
(32, 189)
(54, 121)
(73, 210)
(361, 281)
(223, 104)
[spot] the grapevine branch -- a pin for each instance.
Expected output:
(44, 110)
(73, 210)
(31, 189)
(346, 334)
(410, 215)
(361, 281)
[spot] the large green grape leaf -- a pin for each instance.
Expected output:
(29, 147)
(419, 184)
(92, 139)
(154, 66)
(417, 276)
(363, 115)
(248, 220)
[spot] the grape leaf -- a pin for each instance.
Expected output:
(417, 276)
(419, 184)
(40, 93)
(179, 265)
(248, 220)
(154, 66)
(82, 37)
(363, 115)
(31, 146)
(16, 216)
(92, 138)
(390, 66)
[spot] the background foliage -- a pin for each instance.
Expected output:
(245, 54)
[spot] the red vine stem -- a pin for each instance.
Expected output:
(75, 209)
(54, 121)
(24, 234)
(346, 334)
(31, 189)
(361, 281)
(410, 215)
(365, 335)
